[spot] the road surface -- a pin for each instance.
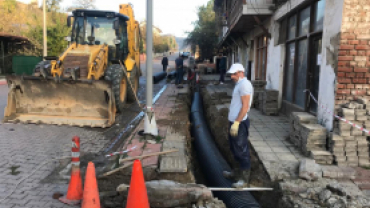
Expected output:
(24, 147)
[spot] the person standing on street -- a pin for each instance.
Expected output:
(222, 68)
(164, 63)
(179, 70)
(239, 126)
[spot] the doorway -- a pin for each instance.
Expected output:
(314, 72)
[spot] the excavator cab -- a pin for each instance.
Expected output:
(92, 27)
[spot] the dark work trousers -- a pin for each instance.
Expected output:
(239, 145)
(164, 68)
(179, 75)
(222, 75)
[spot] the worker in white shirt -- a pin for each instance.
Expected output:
(239, 126)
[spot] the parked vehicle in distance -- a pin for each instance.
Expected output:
(186, 54)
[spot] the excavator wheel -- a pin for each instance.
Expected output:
(134, 78)
(115, 74)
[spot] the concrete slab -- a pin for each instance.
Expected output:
(170, 164)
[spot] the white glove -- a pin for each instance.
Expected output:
(234, 129)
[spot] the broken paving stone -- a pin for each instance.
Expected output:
(324, 195)
(347, 111)
(362, 100)
(340, 158)
(337, 189)
(331, 201)
(360, 117)
(350, 105)
(364, 163)
(309, 170)
(360, 112)
(349, 117)
(344, 133)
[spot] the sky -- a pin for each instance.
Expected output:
(171, 16)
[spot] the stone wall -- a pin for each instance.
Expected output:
(216, 101)
(354, 52)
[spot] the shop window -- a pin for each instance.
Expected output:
(304, 33)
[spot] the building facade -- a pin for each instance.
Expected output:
(300, 47)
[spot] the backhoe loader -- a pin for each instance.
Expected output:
(89, 82)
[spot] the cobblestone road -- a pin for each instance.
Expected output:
(25, 147)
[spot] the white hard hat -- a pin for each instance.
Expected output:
(236, 68)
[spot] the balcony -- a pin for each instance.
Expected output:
(243, 12)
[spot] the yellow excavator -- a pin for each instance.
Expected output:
(89, 82)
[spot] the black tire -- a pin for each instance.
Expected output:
(115, 74)
(134, 78)
(41, 65)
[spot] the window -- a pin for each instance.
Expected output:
(319, 15)
(261, 57)
(304, 30)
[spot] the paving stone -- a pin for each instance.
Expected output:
(262, 149)
(280, 149)
(173, 164)
(170, 145)
(268, 156)
(258, 143)
(286, 157)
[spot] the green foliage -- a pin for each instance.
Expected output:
(204, 33)
(56, 30)
(160, 43)
(82, 4)
(161, 48)
(141, 46)
(10, 5)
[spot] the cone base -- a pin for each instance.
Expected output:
(70, 202)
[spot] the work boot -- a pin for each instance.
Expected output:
(243, 181)
(230, 174)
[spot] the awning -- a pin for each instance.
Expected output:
(10, 37)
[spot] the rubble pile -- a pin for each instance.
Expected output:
(268, 102)
(322, 193)
(259, 88)
(168, 194)
(309, 137)
(349, 144)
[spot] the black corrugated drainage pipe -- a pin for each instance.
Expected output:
(211, 161)
(171, 75)
(157, 77)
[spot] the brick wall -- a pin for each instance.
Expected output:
(354, 52)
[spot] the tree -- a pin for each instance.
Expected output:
(141, 46)
(56, 30)
(204, 33)
(82, 4)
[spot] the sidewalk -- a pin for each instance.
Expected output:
(171, 112)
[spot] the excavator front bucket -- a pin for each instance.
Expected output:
(76, 103)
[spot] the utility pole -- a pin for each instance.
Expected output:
(45, 34)
(150, 125)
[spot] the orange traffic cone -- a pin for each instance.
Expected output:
(91, 193)
(74, 193)
(137, 195)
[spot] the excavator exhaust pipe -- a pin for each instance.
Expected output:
(75, 103)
